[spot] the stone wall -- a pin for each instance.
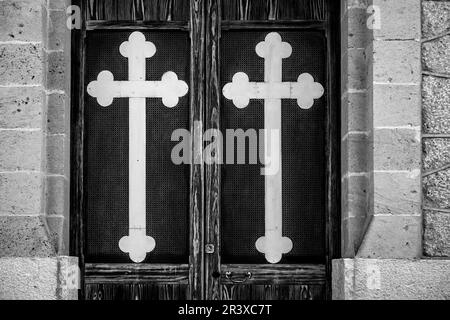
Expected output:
(436, 127)
(34, 143)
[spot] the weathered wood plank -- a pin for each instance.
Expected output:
(212, 121)
(248, 10)
(197, 103)
(126, 273)
(137, 25)
(136, 291)
(77, 130)
(138, 10)
(272, 292)
(273, 274)
(333, 214)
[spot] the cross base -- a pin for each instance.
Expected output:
(137, 244)
(274, 248)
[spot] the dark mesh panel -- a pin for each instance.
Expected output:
(106, 154)
(303, 153)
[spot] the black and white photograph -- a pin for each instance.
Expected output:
(241, 152)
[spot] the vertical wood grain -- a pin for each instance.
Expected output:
(77, 131)
(212, 121)
(251, 10)
(197, 91)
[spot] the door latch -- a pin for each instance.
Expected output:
(210, 249)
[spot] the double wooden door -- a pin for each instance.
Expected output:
(176, 216)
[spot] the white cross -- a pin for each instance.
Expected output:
(272, 90)
(137, 244)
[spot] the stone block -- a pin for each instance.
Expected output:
(55, 278)
(355, 193)
(56, 229)
(57, 189)
(397, 62)
(56, 66)
(436, 55)
(57, 30)
(397, 193)
(435, 18)
(57, 4)
(355, 113)
(437, 234)
(400, 19)
(396, 105)
(20, 20)
(436, 153)
(25, 236)
(21, 107)
(56, 154)
(354, 153)
(20, 150)
(358, 33)
(397, 149)
(357, 69)
(56, 113)
(436, 188)
(391, 279)
(20, 193)
(396, 237)
(21, 64)
(436, 105)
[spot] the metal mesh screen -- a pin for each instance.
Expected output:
(106, 154)
(303, 153)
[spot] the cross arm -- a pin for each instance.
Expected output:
(105, 89)
(305, 90)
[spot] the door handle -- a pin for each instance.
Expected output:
(229, 276)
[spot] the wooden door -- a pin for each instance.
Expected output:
(235, 196)
(204, 216)
(137, 229)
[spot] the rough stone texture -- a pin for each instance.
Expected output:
(437, 233)
(436, 18)
(436, 120)
(56, 229)
(20, 194)
(436, 153)
(21, 64)
(437, 191)
(56, 113)
(393, 28)
(354, 152)
(56, 30)
(21, 150)
(388, 279)
(20, 20)
(397, 193)
(55, 154)
(25, 237)
(397, 149)
(39, 278)
(393, 237)
(55, 76)
(57, 188)
(397, 105)
(354, 117)
(357, 69)
(21, 107)
(436, 55)
(436, 105)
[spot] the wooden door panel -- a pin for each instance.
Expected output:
(136, 291)
(260, 281)
(273, 292)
